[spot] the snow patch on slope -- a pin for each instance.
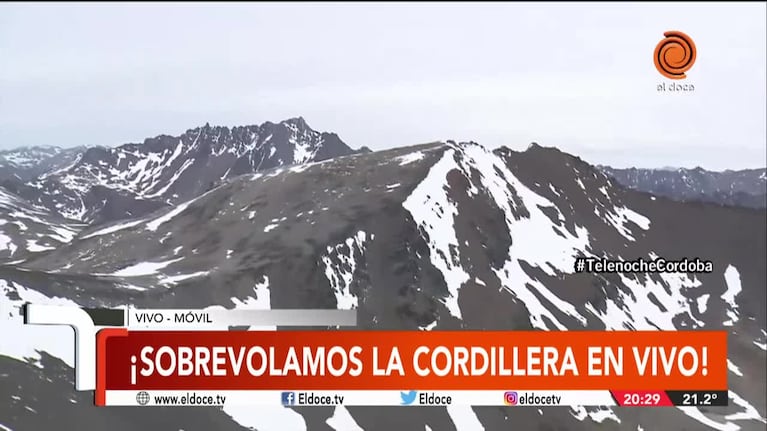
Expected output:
(433, 211)
(340, 265)
(620, 218)
(6, 243)
(113, 228)
(64, 234)
(762, 342)
(734, 368)
(703, 303)
(464, 418)
(142, 268)
(596, 414)
(732, 278)
(34, 247)
(749, 413)
(173, 279)
(260, 300)
(172, 181)
(156, 223)
(342, 420)
(409, 158)
(634, 309)
(266, 418)
(301, 153)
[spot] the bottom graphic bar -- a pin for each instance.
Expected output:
(406, 398)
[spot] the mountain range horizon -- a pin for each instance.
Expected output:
(299, 118)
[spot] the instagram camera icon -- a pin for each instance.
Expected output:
(510, 398)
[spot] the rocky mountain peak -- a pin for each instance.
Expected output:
(165, 169)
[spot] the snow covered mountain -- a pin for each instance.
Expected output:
(747, 187)
(25, 229)
(28, 163)
(437, 236)
(104, 184)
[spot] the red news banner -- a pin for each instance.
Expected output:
(393, 360)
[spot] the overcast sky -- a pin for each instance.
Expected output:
(578, 77)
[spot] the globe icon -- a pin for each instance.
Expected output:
(142, 398)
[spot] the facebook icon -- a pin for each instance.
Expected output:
(288, 398)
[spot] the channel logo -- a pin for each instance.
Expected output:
(674, 55)
(288, 398)
(510, 398)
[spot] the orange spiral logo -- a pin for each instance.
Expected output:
(674, 55)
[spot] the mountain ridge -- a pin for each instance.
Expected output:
(743, 187)
(108, 183)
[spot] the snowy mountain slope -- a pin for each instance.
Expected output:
(25, 229)
(439, 236)
(131, 180)
(28, 163)
(747, 187)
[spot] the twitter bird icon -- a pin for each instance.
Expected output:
(408, 397)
